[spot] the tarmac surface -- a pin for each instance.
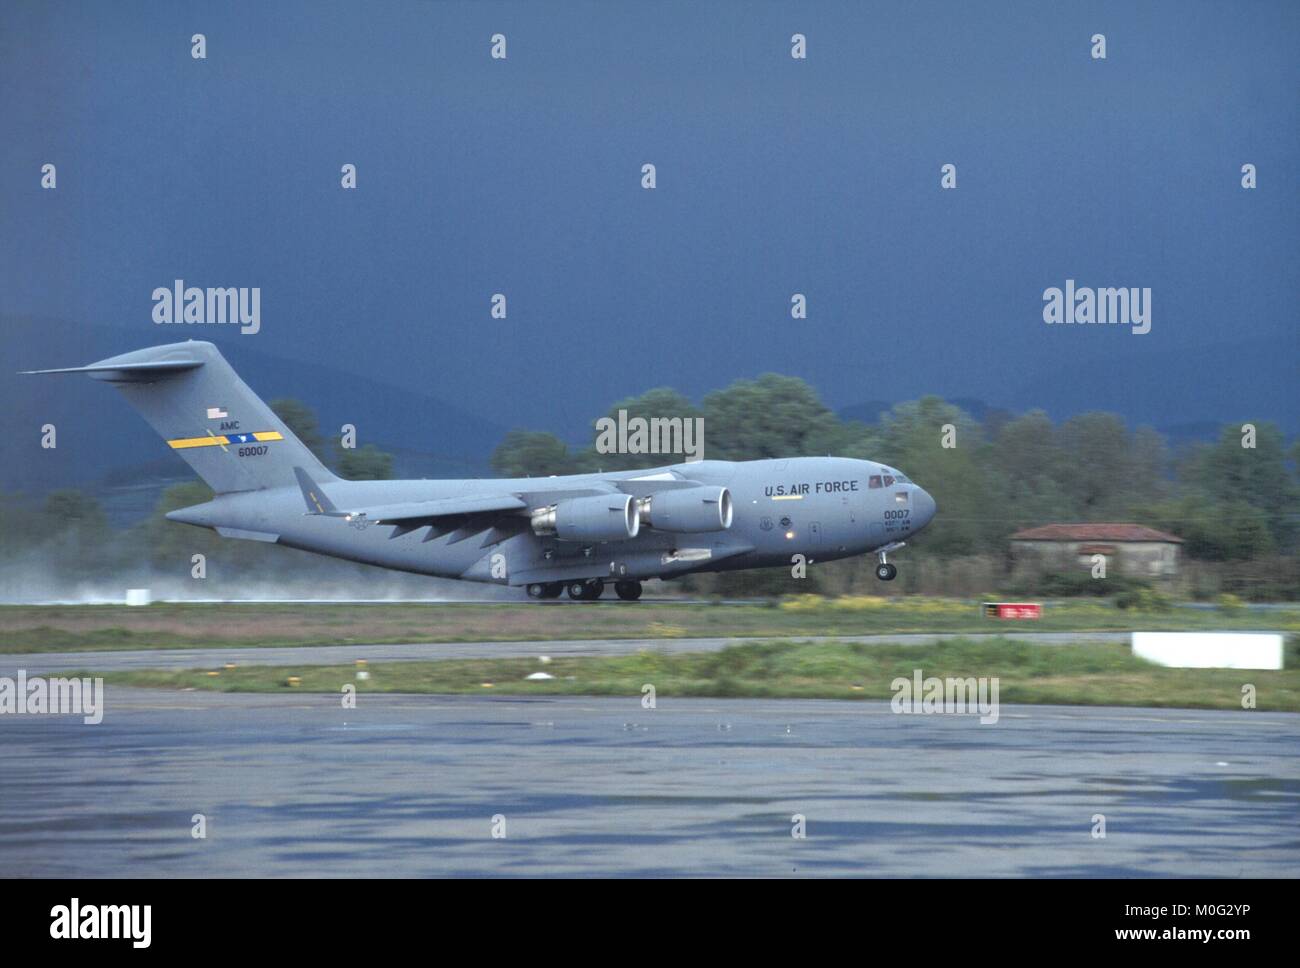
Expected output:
(40, 663)
(410, 786)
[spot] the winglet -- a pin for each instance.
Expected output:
(317, 501)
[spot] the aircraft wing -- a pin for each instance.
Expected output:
(481, 508)
(319, 503)
(641, 486)
(425, 510)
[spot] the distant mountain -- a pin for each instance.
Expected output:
(1174, 391)
(868, 412)
(1186, 391)
(1197, 431)
(1176, 434)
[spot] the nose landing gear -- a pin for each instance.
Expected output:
(885, 571)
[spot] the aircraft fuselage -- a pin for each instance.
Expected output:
(822, 508)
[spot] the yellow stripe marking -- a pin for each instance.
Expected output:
(186, 442)
(212, 440)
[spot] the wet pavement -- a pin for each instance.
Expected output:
(410, 786)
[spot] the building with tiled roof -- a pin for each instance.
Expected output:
(1095, 532)
(1133, 550)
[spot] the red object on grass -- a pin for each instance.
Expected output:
(1013, 610)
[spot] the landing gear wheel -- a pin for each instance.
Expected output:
(629, 591)
(536, 590)
(586, 591)
(886, 572)
(553, 589)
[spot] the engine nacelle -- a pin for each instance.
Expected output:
(688, 510)
(604, 517)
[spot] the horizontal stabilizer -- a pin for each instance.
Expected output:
(127, 372)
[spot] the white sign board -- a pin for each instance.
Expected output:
(1210, 650)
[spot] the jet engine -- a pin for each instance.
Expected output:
(688, 510)
(604, 517)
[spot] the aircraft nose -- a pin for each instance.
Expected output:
(923, 507)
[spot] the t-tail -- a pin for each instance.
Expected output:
(207, 414)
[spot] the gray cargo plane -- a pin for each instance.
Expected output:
(550, 535)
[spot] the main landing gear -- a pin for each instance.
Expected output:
(550, 589)
(629, 591)
(585, 591)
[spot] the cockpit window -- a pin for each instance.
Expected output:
(873, 481)
(901, 479)
(889, 480)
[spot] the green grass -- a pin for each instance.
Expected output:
(1069, 675)
(67, 628)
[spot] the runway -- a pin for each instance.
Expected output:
(409, 786)
(40, 663)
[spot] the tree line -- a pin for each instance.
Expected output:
(1232, 499)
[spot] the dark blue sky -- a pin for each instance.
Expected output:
(775, 176)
